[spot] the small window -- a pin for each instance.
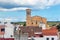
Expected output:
(5, 22)
(28, 23)
(32, 22)
(0, 22)
(52, 38)
(40, 35)
(36, 22)
(32, 39)
(3, 29)
(11, 35)
(47, 38)
(28, 13)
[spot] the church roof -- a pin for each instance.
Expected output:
(37, 18)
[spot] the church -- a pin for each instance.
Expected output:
(35, 20)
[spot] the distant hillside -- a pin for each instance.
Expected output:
(21, 23)
(52, 22)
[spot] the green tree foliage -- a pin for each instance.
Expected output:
(24, 24)
(58, 27)
(21, 23)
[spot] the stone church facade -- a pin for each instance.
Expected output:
(35, 20)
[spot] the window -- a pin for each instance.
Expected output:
(52, 38)
(36, 22)
(28, 13)
(3, 29)
(47, 38)
(0, 22)
(32, 39)
(32, 22)
(11, 35)
(40, 35)
(5, 22)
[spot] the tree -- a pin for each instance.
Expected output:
(24, 24)
(58, 27)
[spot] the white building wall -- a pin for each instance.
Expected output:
(45, 38)
(42, 25)
(38, 38)
(9, 30)
(2, 22)
(50, 37)
(1, 36)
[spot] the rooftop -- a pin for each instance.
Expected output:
(50, 32)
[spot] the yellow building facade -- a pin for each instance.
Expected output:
(35, 20)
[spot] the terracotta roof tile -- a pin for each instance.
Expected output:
(52, 31)
(30, 30)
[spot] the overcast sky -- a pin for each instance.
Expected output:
(16, 9)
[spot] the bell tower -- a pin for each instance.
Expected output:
(28, 13)
(28, 17)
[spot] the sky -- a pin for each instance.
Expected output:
(15, 10)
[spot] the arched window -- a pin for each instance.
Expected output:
(47, 38)
(32, 22)
(52, 38)
(36, 22)
(2, 29)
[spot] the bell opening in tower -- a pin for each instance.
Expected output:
(28, 11)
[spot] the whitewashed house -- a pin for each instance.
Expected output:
(46, 34)
(9, 30)
(50, 34)
(6, 30)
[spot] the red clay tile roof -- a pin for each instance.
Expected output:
(2, 25)
(31, 30)
(28, 29)
(50, 32)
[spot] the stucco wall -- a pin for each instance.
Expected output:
(39, 38)
(50, 37)
(9, 30)
(45, 38)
